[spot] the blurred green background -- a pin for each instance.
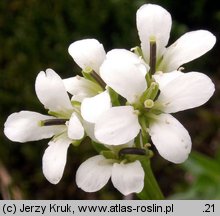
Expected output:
(35, 35)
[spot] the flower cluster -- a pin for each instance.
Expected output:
(123, 101)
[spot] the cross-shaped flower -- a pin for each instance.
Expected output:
(154, 23)
(148, 107)
(64, 125)
(94, 173)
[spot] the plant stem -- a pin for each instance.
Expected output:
(151, 190)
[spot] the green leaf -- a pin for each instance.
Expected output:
(200, 164)
(205, 172)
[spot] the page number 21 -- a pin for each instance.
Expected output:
(209, 208)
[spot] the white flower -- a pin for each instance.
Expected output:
(88, 53)
(66, 127)
(95, 172)
(154, 22)
(92, 108)
(89, 109)
(178, 91)
(81, 88)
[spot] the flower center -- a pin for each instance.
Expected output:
(147, 106)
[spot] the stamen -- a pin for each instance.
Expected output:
(153, 55)
(87, 70)
(90, 74)
(52, 122)
(136, 151)
(150, 93)
(148, 103)
(98, 79)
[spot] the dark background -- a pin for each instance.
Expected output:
(35, 35)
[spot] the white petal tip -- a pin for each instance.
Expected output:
(54, 159)
(171, 139)
(128, 178)
(75, 128)
(87, 53)
(93, 173)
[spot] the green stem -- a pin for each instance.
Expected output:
(151, 189)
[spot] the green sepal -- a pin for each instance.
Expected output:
(148, 78)
(109, 154)
(94, 77)
(114, 97)
(52, 113)
(134, 157)
(156, 111)
(60, 114)
(151, 92)
(98, 147)
(88, 76)
(76, 103)
(137, 50)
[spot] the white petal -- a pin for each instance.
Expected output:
(187, 48)
(89, 129)
(54, 159)
(123, 55)
(94, 173)
(51, 92)
(164, 78)
(75, 128)
(117, 126)
(171, 139)
(128, 178)
(80, 86)
(25, 126)
(87, 53)
(92, 108)
(153, 21)
(79, 98)
(186, 91)
(124, 72)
